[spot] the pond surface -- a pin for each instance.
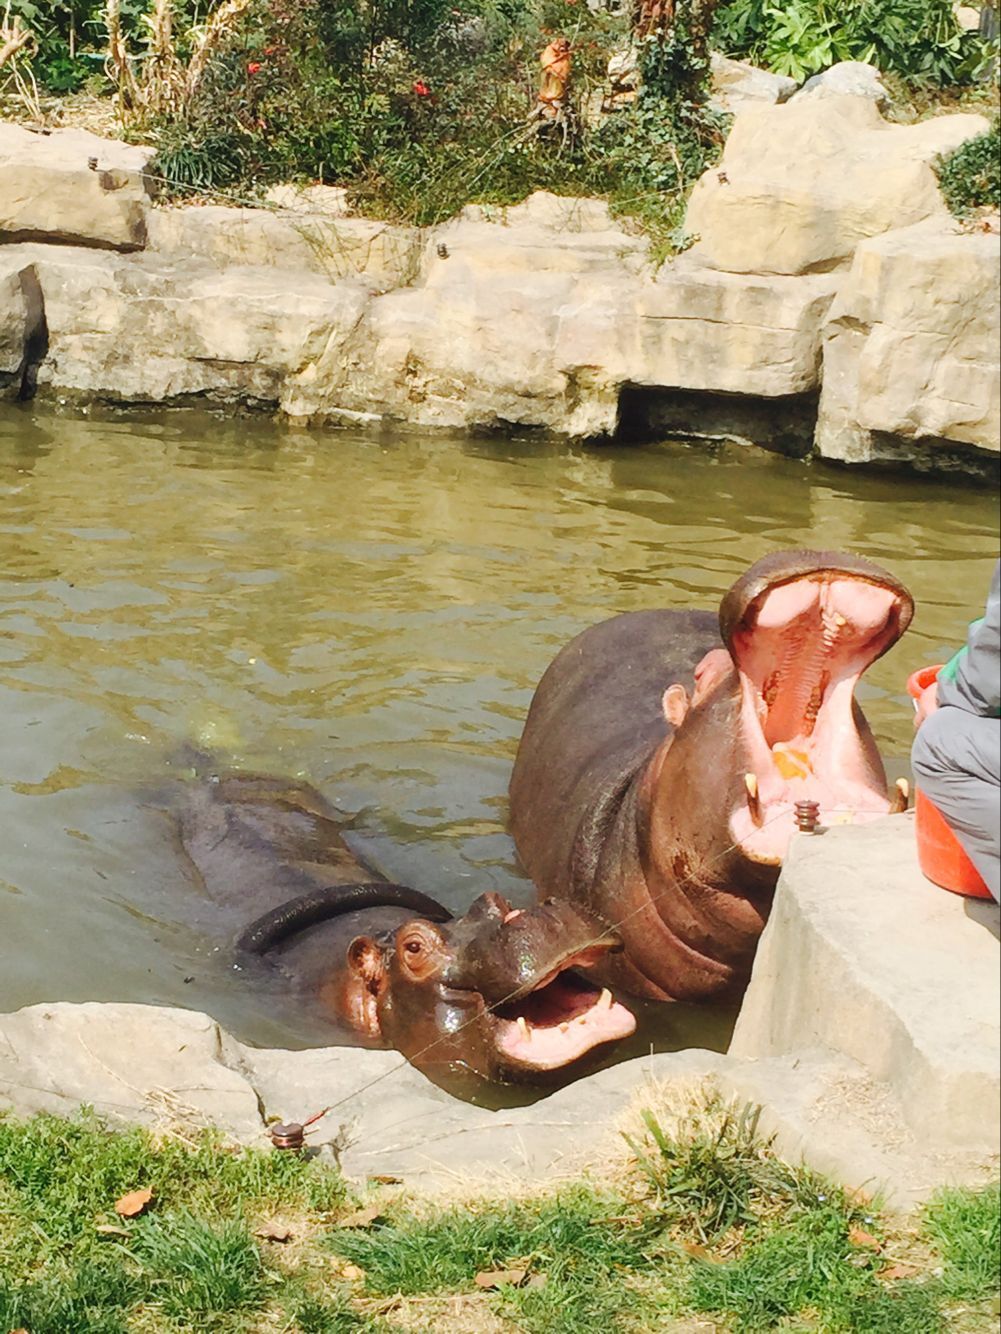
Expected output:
(368, 612)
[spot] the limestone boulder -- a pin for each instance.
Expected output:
(307, 240)
(849, 78)
(864, 957)
(330, 200)
(799, 185)
(72, 187)
(541, 317)
(21, 325)
(737, 85)
(143, 330)
(911, 347)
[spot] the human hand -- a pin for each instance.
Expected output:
(926, 703)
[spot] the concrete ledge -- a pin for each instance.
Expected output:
(864, 957)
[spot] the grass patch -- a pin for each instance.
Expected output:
(702, 1220)
(965, 1227)
(810, 1266)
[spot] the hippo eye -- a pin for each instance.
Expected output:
(413, 947)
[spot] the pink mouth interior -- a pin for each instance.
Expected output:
(800, 650)
(560, 1021)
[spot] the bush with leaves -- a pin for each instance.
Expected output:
(917, 39)
(420, 109)
(970, 176)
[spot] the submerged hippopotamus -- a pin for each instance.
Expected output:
(664, 752)
(490, 992)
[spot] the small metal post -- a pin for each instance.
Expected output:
(290, 1135)
(807, 816)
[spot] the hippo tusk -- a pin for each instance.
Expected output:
(523, 1028)
(604, 1001)
(898, 802)
(753, 801)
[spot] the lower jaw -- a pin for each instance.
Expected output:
(768, 840)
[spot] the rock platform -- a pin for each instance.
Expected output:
(868, 1037)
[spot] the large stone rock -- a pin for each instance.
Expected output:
(70, 186)
(799, 185)
(541, 317)
(143, 330)
(849, 78)
(863, 957)
(737, 85)
(21, 323)
(911, 348)
(308, 240)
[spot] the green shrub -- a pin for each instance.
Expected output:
(970, 176)
(424, 108)
(918, 39)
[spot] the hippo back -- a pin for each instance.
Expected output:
(595, 720)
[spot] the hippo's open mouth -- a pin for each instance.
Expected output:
(800, 645)
(559, 1021)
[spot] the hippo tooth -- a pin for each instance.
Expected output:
(898, 802)
(565, 1027)
(753, 804)
(523, 1028)
(604, 1001)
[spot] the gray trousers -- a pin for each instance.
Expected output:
(957, 764)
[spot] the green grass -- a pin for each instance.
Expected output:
(706, 1222)
(965, 1227)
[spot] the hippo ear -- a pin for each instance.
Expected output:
(366, 984)
(674, 702)
(714, 667)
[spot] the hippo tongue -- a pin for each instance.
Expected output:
(800, 648)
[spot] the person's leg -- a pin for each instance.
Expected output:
(957, 764)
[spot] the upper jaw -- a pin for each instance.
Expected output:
(800, 647)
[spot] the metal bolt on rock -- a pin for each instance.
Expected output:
(807, 816)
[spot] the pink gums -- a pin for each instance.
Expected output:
(800, 650)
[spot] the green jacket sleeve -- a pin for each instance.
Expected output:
(971, 680)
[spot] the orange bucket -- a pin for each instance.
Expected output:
(940, 854)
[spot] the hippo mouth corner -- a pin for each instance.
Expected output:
(801, 644)
(560, 1020)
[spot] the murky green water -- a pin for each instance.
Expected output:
(371, 613)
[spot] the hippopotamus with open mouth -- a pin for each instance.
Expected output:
(664, 752)
(495, 992)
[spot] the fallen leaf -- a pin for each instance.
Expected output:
(501, 1278)
(892, 1272)
(859, 1237)
(536, 1281)
(109, 1230)
(133, 1204)
(351, 1272)
(362, 1218)
(384, 1179)
(696, 1251)
(274, 1232)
